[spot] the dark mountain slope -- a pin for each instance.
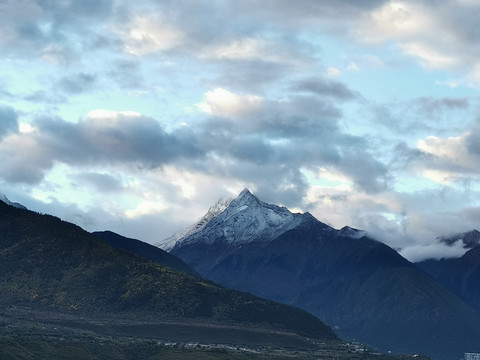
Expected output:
(461, 276)
(144, 250)
(348, 280)
(46, 263)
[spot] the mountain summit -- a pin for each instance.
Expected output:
(238, 221)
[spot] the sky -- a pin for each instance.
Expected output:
(137, 116)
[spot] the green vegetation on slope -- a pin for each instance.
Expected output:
(51, 264)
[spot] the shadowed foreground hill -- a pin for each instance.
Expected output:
(49, 264)
(144, 250)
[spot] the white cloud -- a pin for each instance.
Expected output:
(353, 67)
(238, 49)
(452, 148)
(221, 102)
(416, 253)
(334, 72)
(438, 34)
(145, 207)
(451, 159)
(103, 114)
(150, 34)
(438, 176)
(395, 20)
(25, 128)
(429, 57)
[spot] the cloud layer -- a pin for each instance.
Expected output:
(117, 114)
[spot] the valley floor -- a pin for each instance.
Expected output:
(28, 334)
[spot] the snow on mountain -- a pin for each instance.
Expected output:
(4, 198)
(215, 210)
(241, 220)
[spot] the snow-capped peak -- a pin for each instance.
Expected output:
(4, 198)
(241, 220)
(215, 210)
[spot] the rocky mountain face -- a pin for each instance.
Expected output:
(49, 265)
(363, 288)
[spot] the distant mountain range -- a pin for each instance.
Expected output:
(461, 276)
(51, 266)
(362, 287)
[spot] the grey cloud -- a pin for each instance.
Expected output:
(405, 156)
(104, 183)
(462, 19)
(303, 116)
(86, 8)
(50, 28)
(77, 83)
(412, 159)
(8, 121)
(61, 90)
(285, 11)
(300, 133)
(299, 117)
(287, 189)
(278, 183)
(472, 214)
(433, 106)
(129, 138)
(24, 161)
(252, 149)
(422, 116)
(472, 141)
(127, 73)
(139, 140)
(458, 165)
(370, 175)
(248, 75)
(47, 97)
(272, 144)
(325, 87)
